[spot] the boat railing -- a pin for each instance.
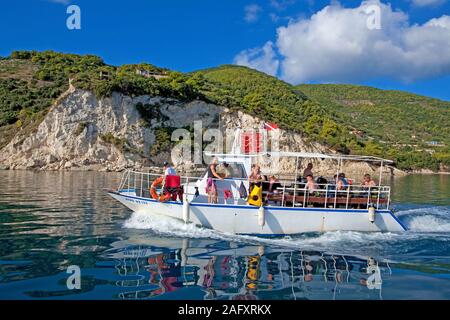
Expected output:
(284, 193)
(329, 196)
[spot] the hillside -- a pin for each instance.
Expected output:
(271, 99)
(402, 123)
(30, 82)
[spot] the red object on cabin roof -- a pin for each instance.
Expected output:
(251, 142)
(269, 126)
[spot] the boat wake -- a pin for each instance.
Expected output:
(425, 225)
(428, 219)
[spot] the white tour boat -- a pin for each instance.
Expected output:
(288, 209)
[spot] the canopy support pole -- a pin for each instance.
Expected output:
(339, 167)
(336, 181)
(381, 173)
(295, 181)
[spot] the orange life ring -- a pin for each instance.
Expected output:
(155, 184)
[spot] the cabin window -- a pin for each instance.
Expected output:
(237, 171)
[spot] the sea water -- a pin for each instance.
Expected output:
(51, 222)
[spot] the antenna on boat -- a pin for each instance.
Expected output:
(264, 135)
(219, 140)
(381, 173)
(236, 148)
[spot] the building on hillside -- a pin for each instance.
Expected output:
(148, 74)
(435, 143)
(104, 75)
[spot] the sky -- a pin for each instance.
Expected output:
(402, 44)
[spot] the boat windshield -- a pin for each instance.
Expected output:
(237, 171)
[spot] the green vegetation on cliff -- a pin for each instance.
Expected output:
(414, 130)
(348, 119)
(391, 116)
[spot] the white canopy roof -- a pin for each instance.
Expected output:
(307, 155)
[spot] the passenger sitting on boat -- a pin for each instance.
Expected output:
(311, 185)
(210, 183)
(308, 170)
(331, 186)
(272, 187)
(368, 181)
(274, 184)
(255, 177)
(342, 182)
(321, 181)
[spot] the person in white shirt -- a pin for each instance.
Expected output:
(168, 170)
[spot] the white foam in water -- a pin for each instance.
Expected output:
(428, 224)
(329, 240)
(435, 211)
(173, 227)
(166, 225)
(420, 222)
(432, 219)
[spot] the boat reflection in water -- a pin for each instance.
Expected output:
(220, 270)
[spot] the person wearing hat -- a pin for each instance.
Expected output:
(168, 170)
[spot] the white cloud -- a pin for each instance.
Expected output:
(281, 4)
(443, 22)
(252, 12)
(262, 59)
(426, 3)
(335, 45)
(274, 17)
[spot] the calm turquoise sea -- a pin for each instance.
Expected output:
(50, 221)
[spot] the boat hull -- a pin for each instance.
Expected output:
(244, 219)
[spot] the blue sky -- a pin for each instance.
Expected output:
(190, 35)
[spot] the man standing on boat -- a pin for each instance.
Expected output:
(308, 171)
(168, 170)
(171, 185)
(211, 187)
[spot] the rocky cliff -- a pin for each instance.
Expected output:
(81, 132)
